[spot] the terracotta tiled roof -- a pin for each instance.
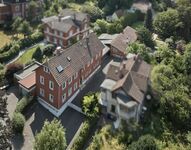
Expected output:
(29, 81)
(131, 76)
(80, 54)
(121, 42)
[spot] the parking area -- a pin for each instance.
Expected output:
(36, 116)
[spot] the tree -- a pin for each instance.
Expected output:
(18, 122)
(167, 23)
(16, 24)
(52, 136)
(149, 19)
(38, 55)
(11, 69)
(146, 142)
(184, 10)
(25, 28)
(187, 59)
(32, 10)
(90, 105)
(145, 36)
(137, 48)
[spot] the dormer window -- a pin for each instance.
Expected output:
(46, 69)
(70, 80)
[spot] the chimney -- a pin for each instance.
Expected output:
(59, 18)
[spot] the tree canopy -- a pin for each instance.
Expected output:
(52, 136)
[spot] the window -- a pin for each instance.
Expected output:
(76, 75)
(70, 91)
(55, 40)
(96, 56)
(64, 85)
(51, 98)
(70, 33)
(75, 86)
(89, 63)
(46, 69)
(51, 85)
(42, 80)
(61, 34)
(112, 108)
(92, 61)
(17, 8)
(42, 92)
(70, 80)
(60, 41)
(63, 97)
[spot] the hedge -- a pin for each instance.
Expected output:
(10, 51)
(18, 122)
(82, 137)
(22, 104)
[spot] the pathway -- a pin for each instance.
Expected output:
(21, 52)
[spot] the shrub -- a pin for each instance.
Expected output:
(18, 122)
(11, 69)
(82, 137)
(48, 49)
(38, 55)
(22, 104)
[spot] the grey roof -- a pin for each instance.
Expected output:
(68, 19)
(80, 54)
(129, 35)
(27, 70)
(108, 84)
(131, 76)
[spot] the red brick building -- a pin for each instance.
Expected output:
(67, 28)
(59, 80)
(10, 9)
(120, 43)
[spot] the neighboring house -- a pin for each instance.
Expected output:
(123, 90)
(120, 43)
(116, 15)
(26, 79)
(141, 5)
(66, 28)
(59, 80)
(106, 39)
(10, 9)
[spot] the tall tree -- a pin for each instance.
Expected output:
(25, 28)
(32, 8)
(166, 23)
(184, 9)
(52, 136)
(16, 24)
(149, 19)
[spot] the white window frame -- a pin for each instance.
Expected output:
(75, 86)
(64, 95)
(46, 69)
(55, 40)
(41, 92)
(70, 91)
(76, 75)
(70, 33)
(51, 98)
(70, 80)
(42, 80)
(51, 85)
(63, 87)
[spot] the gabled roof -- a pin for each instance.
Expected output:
(129, 35)
(66, 19)
(74, 58)
(131, 76)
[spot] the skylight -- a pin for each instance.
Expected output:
(59, 68)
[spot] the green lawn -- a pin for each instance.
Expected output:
(27, 56)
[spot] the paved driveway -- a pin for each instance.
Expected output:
(36, 115)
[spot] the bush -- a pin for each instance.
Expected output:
(37, 55)
(82, 137)
(10, 51)
(48, 49)
(11, 69)
(22, 104)
(18, 122)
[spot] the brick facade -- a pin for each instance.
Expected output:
(58, 90)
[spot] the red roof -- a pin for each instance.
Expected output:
(29, 81)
